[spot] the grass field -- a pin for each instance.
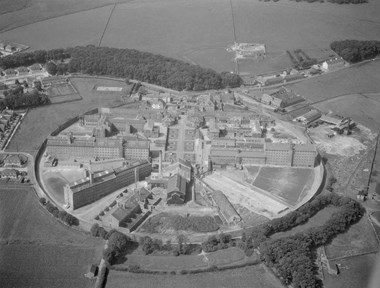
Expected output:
(29, 136)
(360, 238)
(280, 26)
(252, 276)
(41, 252)
(45, 266)
(285, 183)
(354, 272)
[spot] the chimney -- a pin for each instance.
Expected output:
(160, 163)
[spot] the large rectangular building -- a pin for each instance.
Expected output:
(278, 154)
(136, 149)
(304, 155)
(70, 147)
(96, 186)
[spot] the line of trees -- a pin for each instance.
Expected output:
(127, 63)
(61, 214)
(355, 50)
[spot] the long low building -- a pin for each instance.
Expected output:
(281, 154)
(92, 188)
(226, 210)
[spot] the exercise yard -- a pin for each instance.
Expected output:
(286, 183)
(267, 191)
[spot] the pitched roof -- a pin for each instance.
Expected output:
(305, 147)
(225, 206)
(176, 183)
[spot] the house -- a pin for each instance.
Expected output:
(361, 195)
(14, 160)
(333, 64)
(176, 190)
(125, 212)
(10, 73)
(168, 121)
(10, 173)
(22, 71)
(35, 68)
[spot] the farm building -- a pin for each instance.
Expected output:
(92, 271)
(333, 64)
(15, 160)
(176, 190)
(10, 173)
(226, 210)
(309, 117)
(281, 98)
(124, 213)
(22, 71)
(35, 68)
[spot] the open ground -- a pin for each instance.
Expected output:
(252, 276)
(45, 252)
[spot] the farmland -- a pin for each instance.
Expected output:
(360, 238)
(291, 31)
(29, 136)
(45, 252)
(252, 276)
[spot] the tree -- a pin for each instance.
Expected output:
(110, 255)
(94, 230)
(51, 68)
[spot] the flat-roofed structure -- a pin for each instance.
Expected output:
(136, 149)
(304, 155)
(94, 187)
(226, 210)
(278, 154)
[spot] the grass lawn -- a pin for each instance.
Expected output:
(360, 238)
(226, 256)
(354, 272)
(252, 276)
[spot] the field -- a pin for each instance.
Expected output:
(29, 136)
(284, 183)
(252, 276)
(354, 272)
(45, 252)
(280, 26)
(360, 238)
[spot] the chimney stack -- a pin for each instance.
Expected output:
(160, 163)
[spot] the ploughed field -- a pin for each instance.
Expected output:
(38, 251)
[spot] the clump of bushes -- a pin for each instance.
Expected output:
(221, 241)
(63, 215)
(98, 231)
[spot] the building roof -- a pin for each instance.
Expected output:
(285, 95)
(330, 119)
(225, 206)
(120, 214)
(252, 154)
(22, 69)
(224, 152)
(35, 67)
(305, 147)
(335, 60)
(13, 158)
(137, 144)
(143, 194)
(176, 183)
(278, 146)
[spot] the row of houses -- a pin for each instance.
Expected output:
(22, 71)
(282, 154)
